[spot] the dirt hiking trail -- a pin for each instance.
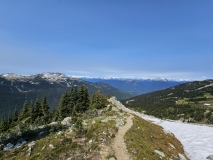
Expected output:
(119, 146)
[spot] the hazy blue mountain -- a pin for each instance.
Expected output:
(137, 86)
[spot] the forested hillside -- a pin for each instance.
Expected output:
(191, 102)
(15, 89)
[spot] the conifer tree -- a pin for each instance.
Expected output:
(38, 109)
(4, 125)
(83, 99)
(45, 107)
(64, 110)
(73, 97)
(32, 113)
(98, 100)
(45, 110)
(24, 111)
(15, 116)
(74, 115)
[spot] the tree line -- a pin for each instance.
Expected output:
(74, 103)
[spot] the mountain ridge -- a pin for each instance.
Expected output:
(15, 89)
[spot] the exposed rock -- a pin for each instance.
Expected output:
(53, 123)
(112, 158)
(160, 153)
(59, 133)
(90, 141)
(30, 145)
(66, 121)
(51, 146)
(92, 112)
(182, 157)
(172, 146)
(210, 157)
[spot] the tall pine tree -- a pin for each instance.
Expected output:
(64, 104)
(83, 100)
(38, 109)
(45, 110)
(32, 112)
(24, 111)
(15, 115)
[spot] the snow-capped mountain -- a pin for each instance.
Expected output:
(137, 86)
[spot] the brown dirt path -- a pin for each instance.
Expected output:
(119, 146)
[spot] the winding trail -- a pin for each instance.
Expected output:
(119, 146)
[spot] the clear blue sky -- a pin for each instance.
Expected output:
(121, 38)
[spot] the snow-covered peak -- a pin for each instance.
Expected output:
(51, 77)
(12, 76)
(54, 76)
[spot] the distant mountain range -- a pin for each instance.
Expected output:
(137, 86)
(15, 89)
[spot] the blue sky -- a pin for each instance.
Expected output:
(143, 39)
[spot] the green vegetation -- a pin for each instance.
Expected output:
(151, 137)
(92, 130)
(27, 122)
(183, 102)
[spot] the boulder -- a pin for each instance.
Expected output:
(66, 121)
(210, 157)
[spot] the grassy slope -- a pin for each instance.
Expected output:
(144, 138)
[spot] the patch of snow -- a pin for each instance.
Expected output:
(8, 146)
(167, 131)
(19, 144)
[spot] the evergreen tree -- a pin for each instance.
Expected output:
(74, 115)
(32, 113)
(45, 110)
(38, 109)
(4, 125)
(64, 104)
(24, 111)
(83, 99)
(15, 116)
(98, 100)
(73, 97)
